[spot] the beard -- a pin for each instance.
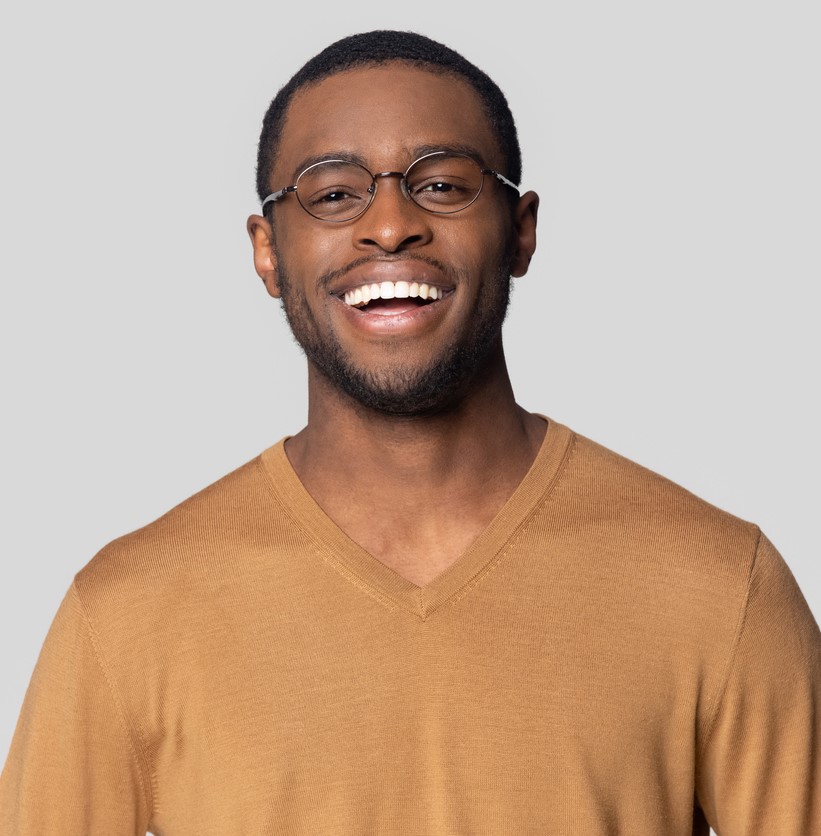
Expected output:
(397, 389)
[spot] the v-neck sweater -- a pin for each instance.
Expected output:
(487, 550)
(611, 655)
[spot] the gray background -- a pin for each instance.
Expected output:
(670, 313)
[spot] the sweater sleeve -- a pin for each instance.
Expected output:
(760, 771)
(73, 767)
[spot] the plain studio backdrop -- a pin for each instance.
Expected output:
(671, 311)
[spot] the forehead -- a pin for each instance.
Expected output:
(382, 114)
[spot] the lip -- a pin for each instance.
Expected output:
(412, 322)
(408, 270)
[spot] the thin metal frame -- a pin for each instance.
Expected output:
(278, 195)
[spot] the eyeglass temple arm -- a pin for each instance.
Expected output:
(273, 198)
(502, 178)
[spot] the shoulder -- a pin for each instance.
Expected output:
(220, 530)
(653, 522)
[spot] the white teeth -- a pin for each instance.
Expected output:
(360, 296)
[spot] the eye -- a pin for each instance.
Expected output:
(441, 186)
(333, 194)
(437, 191)
(333, 197)
(329, 199)
(334, 189)
(335, 201)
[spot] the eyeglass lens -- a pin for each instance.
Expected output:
(337, 190)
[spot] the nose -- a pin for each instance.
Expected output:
(392, 222)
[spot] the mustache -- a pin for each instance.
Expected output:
(327, 278)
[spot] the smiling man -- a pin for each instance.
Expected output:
(396, 286)
(429, 611)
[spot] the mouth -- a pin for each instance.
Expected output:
(391, 298)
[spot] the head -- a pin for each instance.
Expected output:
(382, 100)
(383, 47)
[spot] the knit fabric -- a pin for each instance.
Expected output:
(612, 655)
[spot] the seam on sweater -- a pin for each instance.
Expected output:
(523, 527)
(134, 743)
(325, 551)
(731, 656)
(330, 559)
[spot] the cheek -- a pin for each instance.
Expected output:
(321, 253)
(477, 248)
(326, 246)
(307, 256)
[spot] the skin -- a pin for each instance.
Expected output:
(426, 481)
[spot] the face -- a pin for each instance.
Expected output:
(404, 355)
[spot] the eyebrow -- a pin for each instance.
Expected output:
(307, 162)
(453, 147)
(412, 153)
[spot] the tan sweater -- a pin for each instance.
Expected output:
(612, 656)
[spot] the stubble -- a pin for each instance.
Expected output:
(395, 388)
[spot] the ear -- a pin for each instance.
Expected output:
(265, 262)
(524, 232)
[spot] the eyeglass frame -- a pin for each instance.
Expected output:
(278, 195)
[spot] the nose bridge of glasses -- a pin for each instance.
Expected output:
(403, 183)
(392, 221)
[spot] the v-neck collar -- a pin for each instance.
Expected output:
(393, 589)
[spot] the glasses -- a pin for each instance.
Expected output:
(443, 182)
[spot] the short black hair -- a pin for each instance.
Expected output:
(384, 46)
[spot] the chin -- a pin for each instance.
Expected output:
(400, 389)
(412, 392)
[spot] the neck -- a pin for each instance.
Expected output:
(481, 445)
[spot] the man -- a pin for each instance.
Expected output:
(429, 611)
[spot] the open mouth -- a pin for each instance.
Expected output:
(392, 297)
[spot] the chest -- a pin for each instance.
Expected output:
(368, 721)
(418, 547)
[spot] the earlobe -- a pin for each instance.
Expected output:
(265, 262)
(524, 231)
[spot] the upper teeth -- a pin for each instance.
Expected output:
(390, 290)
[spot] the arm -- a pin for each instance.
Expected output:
(74, 766)
(760, 770)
